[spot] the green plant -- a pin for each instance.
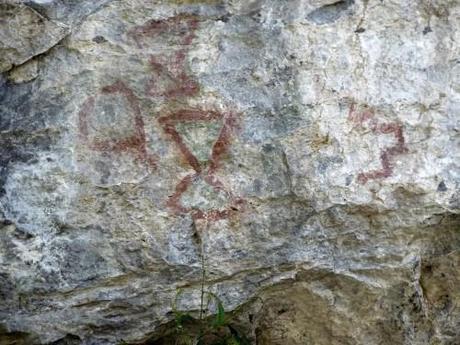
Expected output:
(215, 330)
(205, 331)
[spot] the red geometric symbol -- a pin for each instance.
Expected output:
(219, 148)
(171, 67)
(172, 82)
(387, 154)
(135, 143)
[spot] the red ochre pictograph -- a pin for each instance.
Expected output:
(366, 118)
(171, 67)
(135, 143)
(177, 85)
(219, 149)
(171, 81)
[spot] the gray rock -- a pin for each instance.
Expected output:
(306, 154)
(24, 33)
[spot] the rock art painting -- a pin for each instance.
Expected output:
(365, 118)
(219, 148)
(169, 68)
(293, 163)
(136, 143)
(170, 81)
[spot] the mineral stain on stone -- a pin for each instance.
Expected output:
(330, 13)
(20, 148)
(99, 39)
(20, 141)
(442, 187)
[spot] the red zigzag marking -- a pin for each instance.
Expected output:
(386, 155)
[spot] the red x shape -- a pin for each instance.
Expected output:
(219, 149)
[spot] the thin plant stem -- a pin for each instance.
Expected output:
(203, 271)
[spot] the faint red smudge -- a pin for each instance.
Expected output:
(135, 143)
(367, 116)
(86, 108)
(360, 117)
(174, 201)
(179, 83)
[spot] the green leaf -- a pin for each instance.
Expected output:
(220, 317)
(174, 301)
(219, 320)
(179, 316)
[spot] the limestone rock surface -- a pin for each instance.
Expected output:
(305, 153)
(25, 33)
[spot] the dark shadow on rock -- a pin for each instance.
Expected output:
(330, 13)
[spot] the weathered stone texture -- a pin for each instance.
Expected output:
(307, 150)
(24, 33)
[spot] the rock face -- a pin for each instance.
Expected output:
(24, 33)
(305, 153)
